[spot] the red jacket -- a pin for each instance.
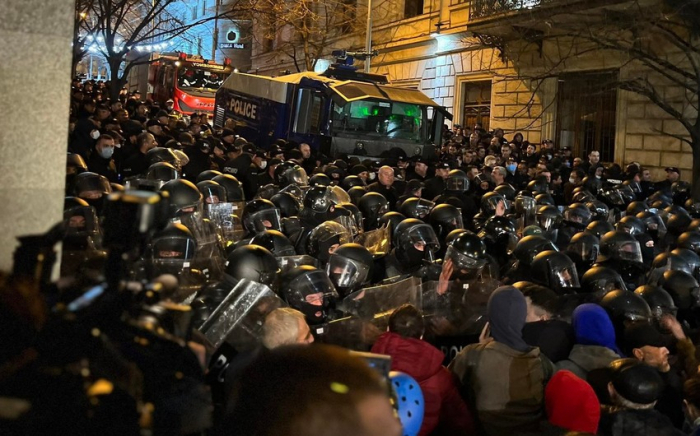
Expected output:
(445, 411)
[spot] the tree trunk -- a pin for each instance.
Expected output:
(116, 82)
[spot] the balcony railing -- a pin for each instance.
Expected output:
(488, 8)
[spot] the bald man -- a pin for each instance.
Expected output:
(385, 186)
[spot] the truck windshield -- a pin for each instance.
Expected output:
(188, 77)
(381, 119)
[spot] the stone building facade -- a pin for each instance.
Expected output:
(439, 53)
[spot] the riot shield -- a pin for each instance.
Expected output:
(142, 184)
(349, 223)
(461, 310)
(287, 263)
(240, 316)
(378, 241)
(209, 257)
(380, 301)
(210, 260)
(338, 195)
(351, 332)
(226, 217)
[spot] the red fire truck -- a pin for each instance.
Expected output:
(190, 81)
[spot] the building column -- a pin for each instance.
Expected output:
(35, 78)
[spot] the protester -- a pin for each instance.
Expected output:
(445, 411)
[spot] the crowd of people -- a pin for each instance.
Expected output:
(514, 287)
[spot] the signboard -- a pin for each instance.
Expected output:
(209, 66)
(232, 45)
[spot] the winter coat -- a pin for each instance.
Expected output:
(505, 386)
(584, 358)
(445, 411)
(629, 422)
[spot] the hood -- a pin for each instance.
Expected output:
(590, 357)
(415, 357)
(507, 311)
(592, 326)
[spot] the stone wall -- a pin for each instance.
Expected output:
(34, 105)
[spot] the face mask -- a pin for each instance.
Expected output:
(598, 177)
(572, 180)
(107, 152)
(372, 176)
(263, 165)
(511, 168)
(95, 134)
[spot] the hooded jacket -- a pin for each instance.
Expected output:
(504, 379)
(585, 358)
(595, 341)
(445, 411)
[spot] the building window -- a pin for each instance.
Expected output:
(412, 8)
(204, 7)
(194, 12)
(586, 113)
(476, 104)
(199, 45)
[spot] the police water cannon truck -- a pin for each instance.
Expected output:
(338, 111)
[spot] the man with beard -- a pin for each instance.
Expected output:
(138, 164)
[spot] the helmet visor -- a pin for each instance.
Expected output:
(287, 263)
(584, 250)
(81, 219)
(460, 184)
(423, 207)
(491, 203)
(311, 288)
(298, 176)
(346, 273)
(566, 277)
(423, 238)
(87, 187)
(295, 192)
(268, 219)
(174, 248)
(462, 261)
(213, 194)
(549, 222)
(655, 225)
(614, 197)
(525, 205)
(630, 251)
(456, 222)
(578, 215)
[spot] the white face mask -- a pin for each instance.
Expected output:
(263, 165)
(107, 152)
(372, 176)
(572, 180)
(95, 134)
